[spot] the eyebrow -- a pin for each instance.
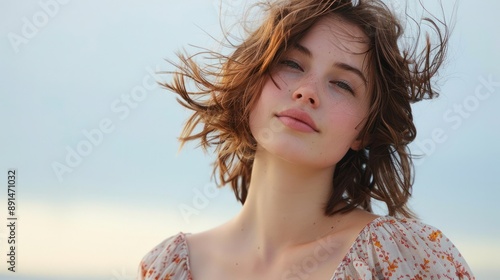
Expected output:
(350, 68)
(340, 65)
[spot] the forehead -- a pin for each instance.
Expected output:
(335, 32)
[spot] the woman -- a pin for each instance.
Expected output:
(310, 118)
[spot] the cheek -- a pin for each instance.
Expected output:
(262, 124)
(350, 118)
(259, 107)
(257, 118)
(269, 102)
(253, 120)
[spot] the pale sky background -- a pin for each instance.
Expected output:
(74, 71)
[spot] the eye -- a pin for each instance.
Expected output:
(292, 64)
(344, 86)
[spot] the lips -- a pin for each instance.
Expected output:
(298, 120)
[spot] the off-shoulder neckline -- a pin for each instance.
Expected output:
(344, 259)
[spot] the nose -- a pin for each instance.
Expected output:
(307, 93)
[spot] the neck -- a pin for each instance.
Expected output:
(285, 204)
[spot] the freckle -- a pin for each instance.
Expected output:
(236, 263)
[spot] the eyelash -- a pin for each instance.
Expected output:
(341, 84)
(344, 85)
(291, 64)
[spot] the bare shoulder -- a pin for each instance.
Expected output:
(206, 253)
(361, 218)
(201, 243)
(349, 227)
(356, 220)
(206, 240)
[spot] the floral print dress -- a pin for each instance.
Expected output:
(387, 248)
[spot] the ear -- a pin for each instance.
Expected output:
(357, 145)
(360, 142)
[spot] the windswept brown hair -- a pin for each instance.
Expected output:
(226, 91)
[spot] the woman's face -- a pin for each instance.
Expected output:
(316, 107)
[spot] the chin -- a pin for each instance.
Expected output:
(299, 154)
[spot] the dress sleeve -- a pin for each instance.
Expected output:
(167, 260)
(389, 248)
